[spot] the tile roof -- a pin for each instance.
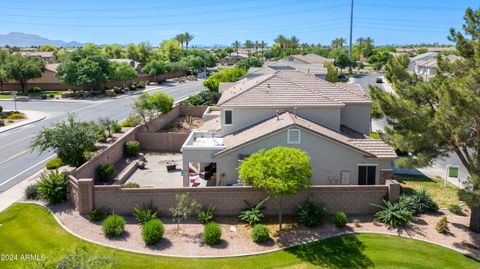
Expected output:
(432, 63)
(52, 67)
(42, 54)
(312, 58)
(368, 146)
(288, 88)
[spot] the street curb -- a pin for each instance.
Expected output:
(247, 254)
(21, 125)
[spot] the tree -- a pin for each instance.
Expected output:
(69, 139)
(282, 42)
(22, 69)
(188, 37)
(156, 68)
(85, 68)
(180, 38)
(225, 75)
(293, 42)
(343, 60)
(132, 52)
(279, 171)
(337, 43)
(121, 72)
(252, 61)
(364, 47)
(236, 45)
(113, 51)
(193, 64)
(396, 71)
(144, 52)
(379, 58)
(432, 119)
(184, 209)
(148, 106)
(332, 75)
(248, 45)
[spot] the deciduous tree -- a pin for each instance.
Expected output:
(22, 69)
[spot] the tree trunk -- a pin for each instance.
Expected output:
(475, 219)
(280, 213)
(23, 84)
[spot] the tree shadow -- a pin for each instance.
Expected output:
(338, 252)
(162, 245)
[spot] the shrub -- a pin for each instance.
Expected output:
(53, 187)
(130, 185)
(2, 122)
(31, 192)
(145, 213)
(43, 96)
(35, 90)
(141, 84)
(442, 225)
(132, 121)
(455, 209)
(260, 233)
(51, 95)
(54, 163)
(98, 214)
(16, 116)
(394, 214)
(105, 172)
(1, 109)
(340, 219)
(421, 202)
(152, 231)
(253, 214)
(116, 128)
(212, 233)
(206, 216)
(310, 213)
(113, 225)
(131, 148)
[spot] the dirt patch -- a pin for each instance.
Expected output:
(183, 125)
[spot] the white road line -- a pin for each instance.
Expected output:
(28, 169)
(14, 156)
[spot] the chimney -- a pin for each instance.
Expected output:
(295, 112)
(278, 117)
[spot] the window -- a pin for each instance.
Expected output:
(293, 136)
(367, 174)
(228, 117)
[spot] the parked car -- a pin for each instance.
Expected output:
(379, 80)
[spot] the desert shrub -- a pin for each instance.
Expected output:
(212, 233)
(54, 163)
(394, 214)
(131, 148)
(152, 231)
(419, 202)
(310, 213)
(144, 213)
(207, 215)
(98, 214)
(53, 187)
(130, 185)
(51, 95)
(113, 225)
(2, 122)
(31, 192)
(455, 209)
(35, 90)
(116, 128)
(442, 225)
(43, 96)
(1, 109)
(105, 172)
(132, 121)
(141, 84)
(339, 219)
(252, 214)
(260, 233)
(16, 116)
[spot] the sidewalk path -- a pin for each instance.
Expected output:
(32, 116)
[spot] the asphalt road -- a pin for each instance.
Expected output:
(18, 162)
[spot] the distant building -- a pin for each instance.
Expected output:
(310, 59)
(134, 64)
(425, 65)
(48, 56)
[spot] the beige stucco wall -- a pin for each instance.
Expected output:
(357, 117)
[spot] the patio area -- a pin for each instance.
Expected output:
(157, 175)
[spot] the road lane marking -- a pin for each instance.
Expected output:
(16, 141)
(28, 169)
(14, 156)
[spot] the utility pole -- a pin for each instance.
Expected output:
(351, 25)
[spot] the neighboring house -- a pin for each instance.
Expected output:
(48, 77)
(48, 56)
(134, 64)
(310, 59)
(315, 69)
(427, 67)
(420, 58)
(290, 108)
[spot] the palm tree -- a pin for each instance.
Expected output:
(180, 38)
(257, 45)
(338, 42)
(293, 42)
(262, 45)
(236, 45)
(304, 46)
(249, 45)
(188, 37)
(282, 42)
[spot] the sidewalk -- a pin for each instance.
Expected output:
(32, 116)
(17, 192)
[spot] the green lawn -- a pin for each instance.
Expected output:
(444, 196)
(4, 95)
(30, 229)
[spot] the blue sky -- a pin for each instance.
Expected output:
(222, 22)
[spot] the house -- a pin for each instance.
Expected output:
(428, 68)
(48, 56)
(427, 56)
(136, 65)
(310, 59)
(318, 70)
(331, 122)
(48, 80)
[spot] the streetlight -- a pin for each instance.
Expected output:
(15, 100)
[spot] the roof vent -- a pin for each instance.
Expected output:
(268, 88)
(295, 112)
(278, 116)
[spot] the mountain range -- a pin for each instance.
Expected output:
(27, 40)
